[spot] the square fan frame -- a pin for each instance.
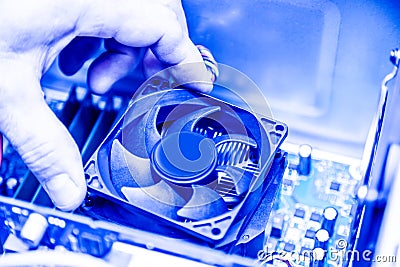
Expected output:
(103, 202)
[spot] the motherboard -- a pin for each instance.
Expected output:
(309, 205)
(313, 221)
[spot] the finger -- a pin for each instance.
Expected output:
(113, 65)
(151, 65)
(76, 53)
(38, 136)
(148, 24)
(176, 6)
(190, 71)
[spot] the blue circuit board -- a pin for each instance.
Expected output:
(299, 213)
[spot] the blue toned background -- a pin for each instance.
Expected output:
(319, 63)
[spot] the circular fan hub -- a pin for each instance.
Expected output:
(184, 158)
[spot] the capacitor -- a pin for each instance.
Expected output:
(319, 256)
(304, 167)
(329, 219)
(321, 239)
(34, 228)
(11, 186)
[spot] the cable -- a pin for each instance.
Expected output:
(209, 61)
(51, 258)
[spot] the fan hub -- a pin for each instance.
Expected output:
(184, 158)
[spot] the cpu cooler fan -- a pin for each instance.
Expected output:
(191, 161)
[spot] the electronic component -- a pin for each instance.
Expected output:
(277, 226)
(304, 166)
(316, 217)
(34, 228)
(300, 213)
(97, 243)
(299, 55)
(310, 234)
(297, 217)
(319, 256)
(316, 207)
(71, 239)
(330, 216)
(288, 247)
(190, 160)
(11, 186)
(321, 238)
(287, 183)
(335, 186)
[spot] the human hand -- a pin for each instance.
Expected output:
(33, 33)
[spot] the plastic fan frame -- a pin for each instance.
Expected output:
(100, 184)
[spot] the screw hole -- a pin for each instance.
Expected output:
(279, 128)
(215, 231)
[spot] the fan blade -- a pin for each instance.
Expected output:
(140, 106)
(241, 178)
(127, 169)
(141, 134)
(179, 96)
(205, 203)
(159, 198)
(140, 123)
(186, 122)
(152, 136)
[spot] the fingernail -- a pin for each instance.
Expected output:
(63, 192)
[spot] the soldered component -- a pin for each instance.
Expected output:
(300, 213)
(277, 226)
(11, 186)
(289, 247)
(330, 216)
(321, 238)
(287, 182)
(304, 167)
(335, 186)
(310, 234)
(316, 217)
(316, 207)
(34, 228)
(319, 256)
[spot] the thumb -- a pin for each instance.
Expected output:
(38, 136)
